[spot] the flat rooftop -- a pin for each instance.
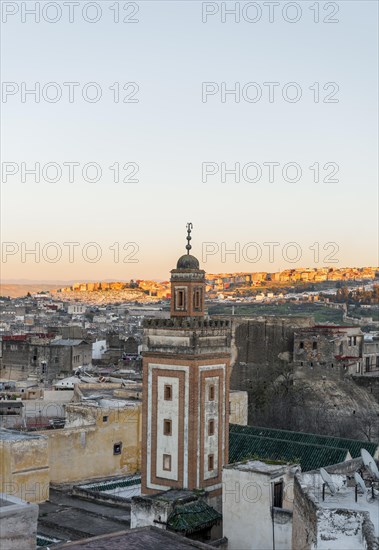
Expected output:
(125, 487)
(259, 466)
(344, 497)
(66, 517)
(14, 435)
(173, 495)
(143, 538)
(9, 502)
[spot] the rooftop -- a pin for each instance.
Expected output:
(124, 488)
(310, 457)
(68, 342)
(144, 538)
(14, 435)
(192, 517)
(341, 517)
(172, 495)
(66, 517)
(354, 446)
(260, 467)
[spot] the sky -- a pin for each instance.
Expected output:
(143, 93)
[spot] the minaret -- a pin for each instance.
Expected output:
(185, 389)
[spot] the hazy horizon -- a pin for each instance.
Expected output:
(126, 280)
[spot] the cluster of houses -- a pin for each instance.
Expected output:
(162, 456)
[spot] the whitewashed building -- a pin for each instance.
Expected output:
(257, 505)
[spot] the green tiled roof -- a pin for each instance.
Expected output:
(43, 541)
(353, 445)
(193, 517)
(136, 480)
(243, 446)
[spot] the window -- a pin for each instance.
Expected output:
(168, 392)
(197, 299)
(105, 419)
(211, 427)
(230, 407)
(210, 462)
(167, 462)
(34, 358)
(117, 447)
(367, 364)
(180, 299)
(314, 345)
(211, 393)
(167, 428)
(278, 495)
(56, 359)
(311, 364)
(349, 341)
(301, 345)
(355, 341)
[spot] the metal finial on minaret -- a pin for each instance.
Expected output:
(189, 229)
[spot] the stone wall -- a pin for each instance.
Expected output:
(259, 344)
(85, 451)
(18, 524)
(24, 465)
(263, 340)
(304, 520)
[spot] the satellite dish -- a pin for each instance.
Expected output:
(328, 480)
(370, 463)
(359, 481)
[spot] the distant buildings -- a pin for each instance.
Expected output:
(330, 346)
(42, 356)
(175, 451)
(299, 275)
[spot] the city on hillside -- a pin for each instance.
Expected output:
(147, 411)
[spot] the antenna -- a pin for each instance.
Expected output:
(327, 481)
(370, 464)
(359, 481)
